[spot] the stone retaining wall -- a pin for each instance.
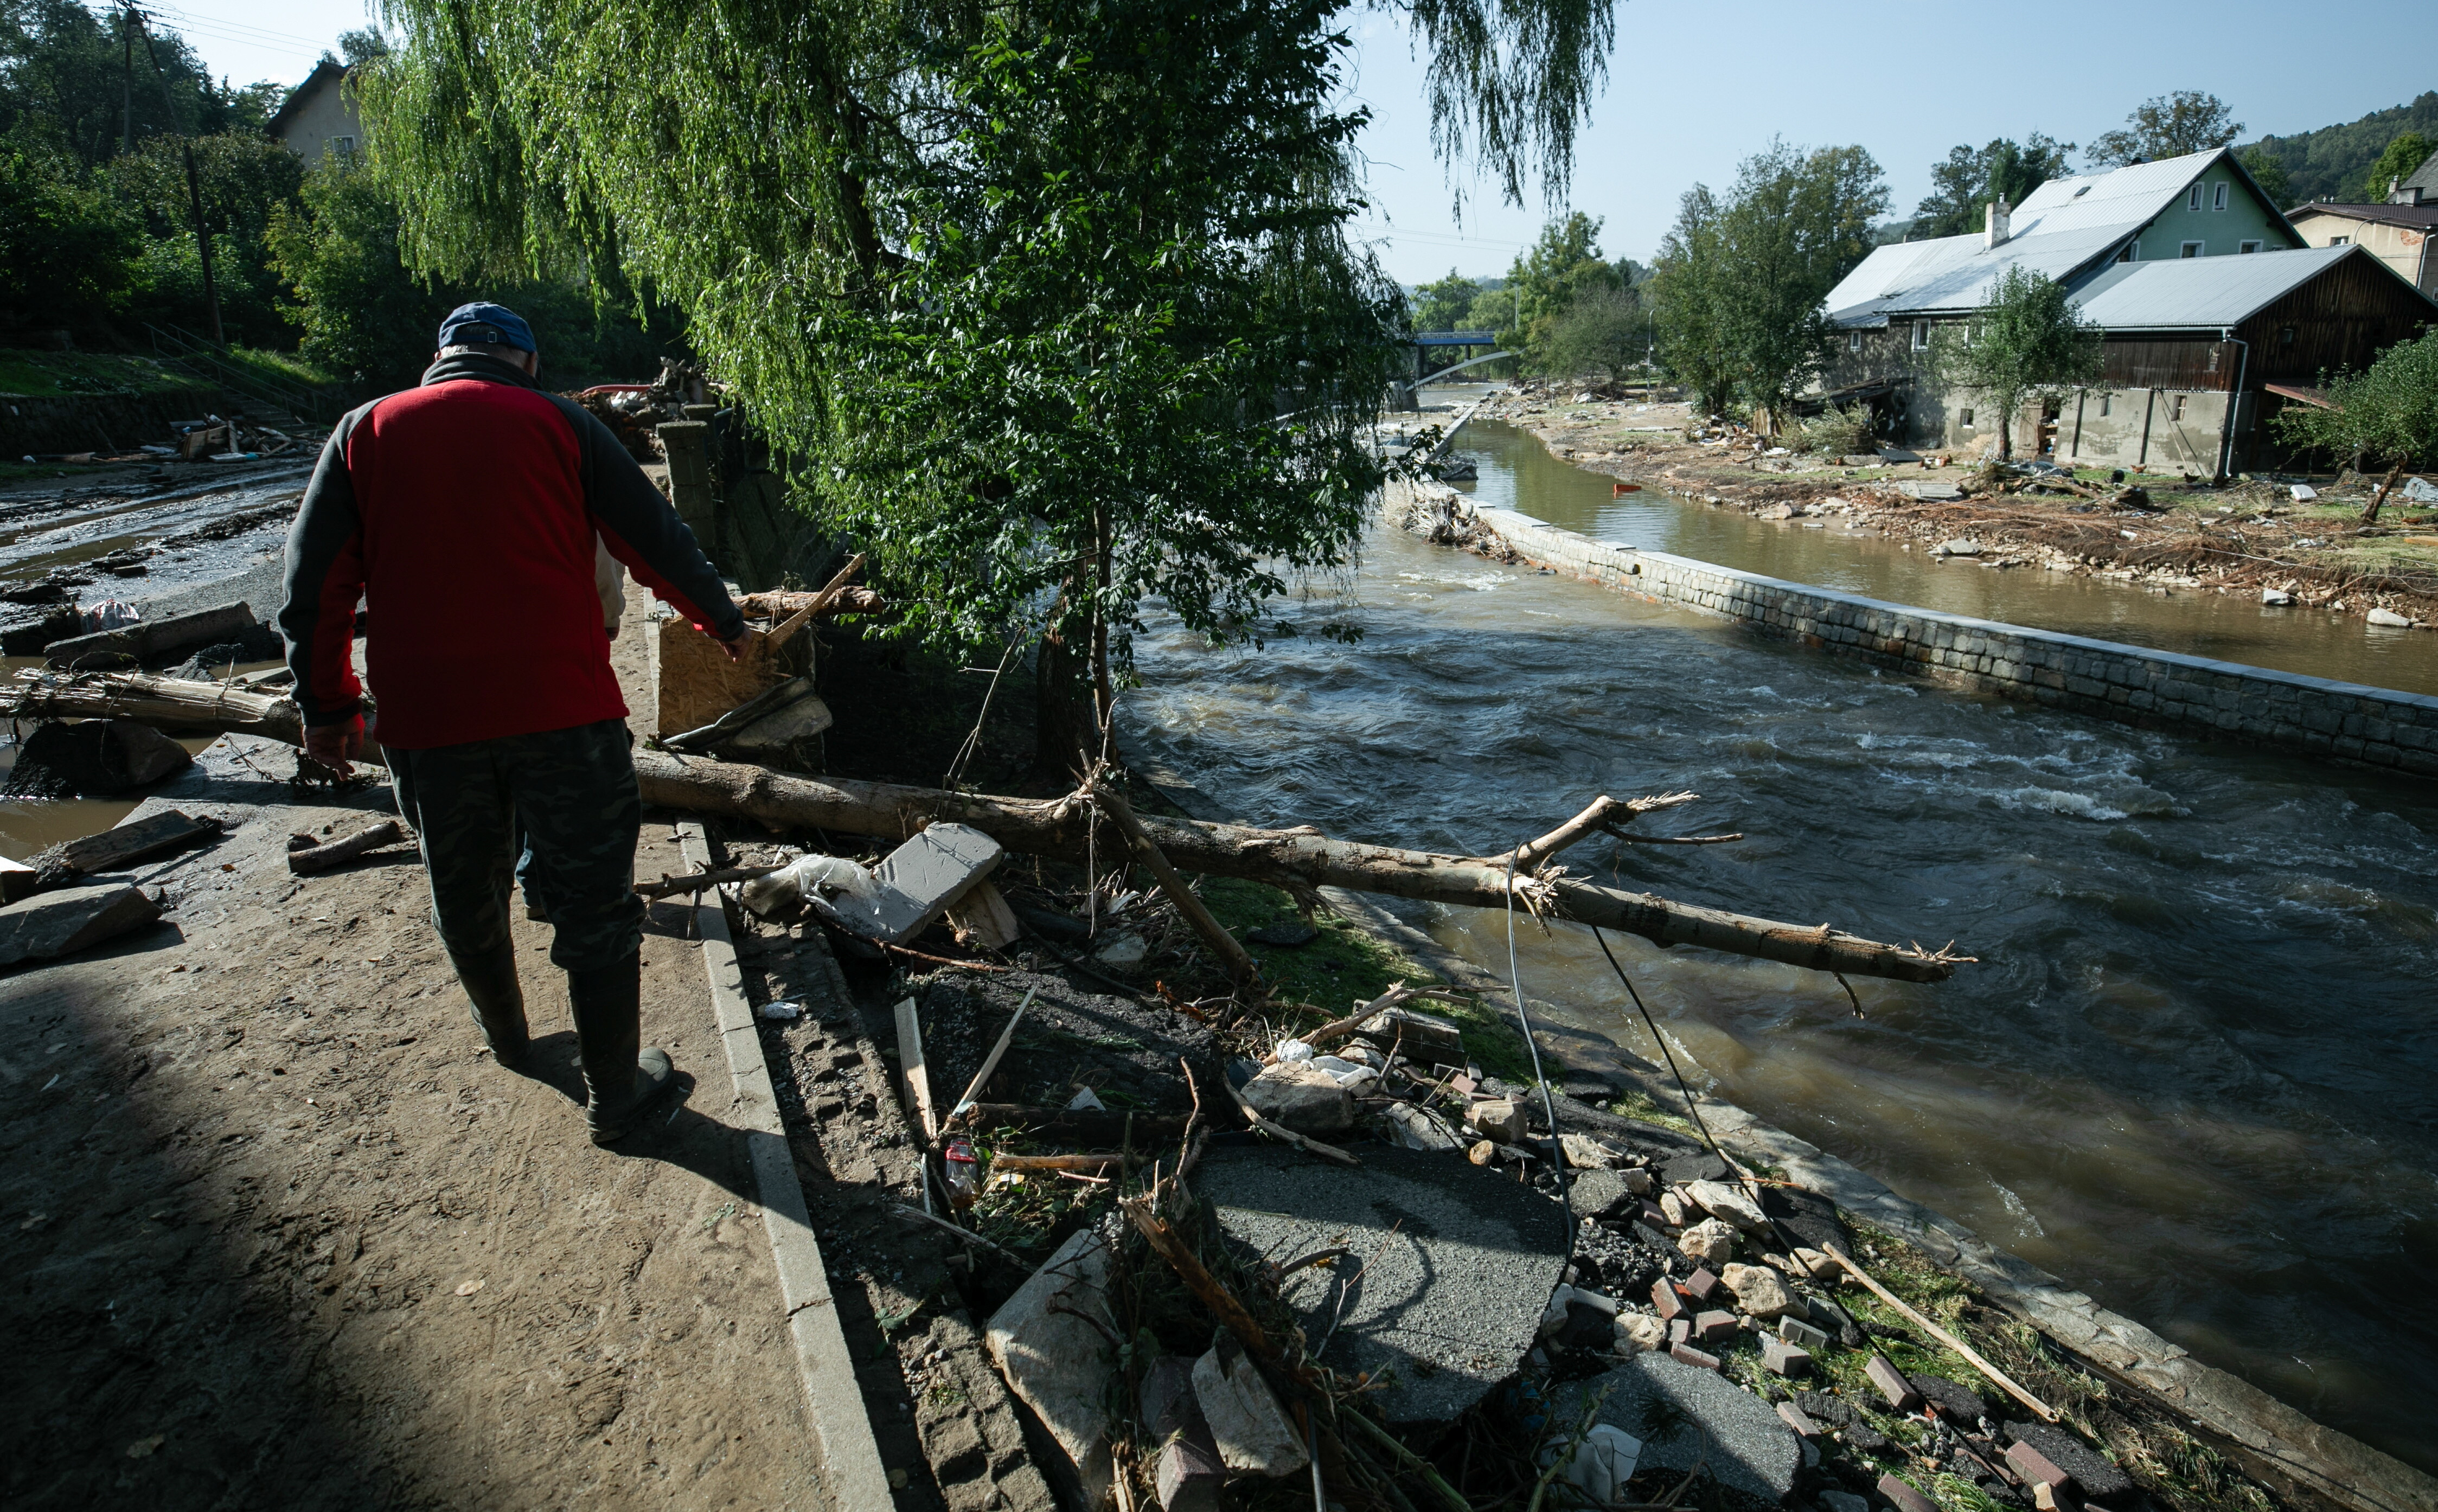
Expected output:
(97, 422)
(2131, 684)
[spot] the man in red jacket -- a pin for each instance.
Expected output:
(463, 513)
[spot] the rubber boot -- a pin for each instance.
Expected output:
(620, 1082)
(490, 983)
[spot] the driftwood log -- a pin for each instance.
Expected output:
(1300, 860)
(307, 859)
(1296, 860)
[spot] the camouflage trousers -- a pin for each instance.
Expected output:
(572, 793)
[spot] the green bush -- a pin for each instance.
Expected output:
(1834, 434)
(63, 245)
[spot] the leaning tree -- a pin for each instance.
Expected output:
(1055, 304)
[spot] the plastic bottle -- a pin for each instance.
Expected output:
(963, 1173)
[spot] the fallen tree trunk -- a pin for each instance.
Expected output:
(1297, 860)
(1301, 861)
(165, 703)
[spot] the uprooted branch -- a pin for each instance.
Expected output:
(1604, 815)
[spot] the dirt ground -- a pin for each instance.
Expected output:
(282, 1234)
(2242, 537)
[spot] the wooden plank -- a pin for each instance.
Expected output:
(910, 1068)
(131, 843)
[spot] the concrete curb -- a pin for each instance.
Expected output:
(2106, 680)
(841, 1429)
(2334, 1465)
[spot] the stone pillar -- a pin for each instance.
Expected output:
(687, 444)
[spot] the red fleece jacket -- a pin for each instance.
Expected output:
(463, 513)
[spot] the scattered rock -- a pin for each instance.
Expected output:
(1709, 1242)
(1834, 1411)
(1844, 1501)
(1414, 1129)
(1724, 1201)
(2389, 619)
(1307, 1100)
(2275, 595)
(69, 919)
(1601, 1194)
(1058, 1363)
(1585, 1152)
(1253, 1431)
(1288, 935)
(1674, 1206)
(1502, 1119)
(1759, 1291)
(1425, 1038)
(1639, 1332)
(1958, 547)
(1126, 950)
(1750, 1449)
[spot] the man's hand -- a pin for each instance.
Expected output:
(744, 646)
(335, 746)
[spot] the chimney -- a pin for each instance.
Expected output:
(1994, 233)
(2394, 190)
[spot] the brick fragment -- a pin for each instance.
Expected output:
(1680, 1329)
(1691, 1355)
(1714, 1325)
(1665, 1297)
(1892, 1384)
(2035, 1467)
(1795, 1331)
(1779, 1358)
(1796, 1418)
(1905, 1497)
(1702, 1283)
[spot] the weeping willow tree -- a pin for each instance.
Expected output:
(1055, 301)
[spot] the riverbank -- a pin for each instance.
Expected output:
(2249, 537)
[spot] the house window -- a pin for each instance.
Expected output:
(2338, 241)
(2191, 249)
(345, 145)
(1964, 418)
(2285, 335)
(1921, 336)
(2193, 200)
(2217, 196)
(2249, 246)
(1854, 342)
(2177, 411)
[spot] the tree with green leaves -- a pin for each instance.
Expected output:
(1561, 265)
(2268, 170)
(1054, 303)
(2387, 415)
(1971, 178)
(2167, 126)
(2028, 341)
(2402, 159)
(64, 247)
(1444, 304)
(1696, 341)
(1603, 331)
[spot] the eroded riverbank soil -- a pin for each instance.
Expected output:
(2244, 538)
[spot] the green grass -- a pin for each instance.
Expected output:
(1343, 967)
(54, 375)
(278, 367)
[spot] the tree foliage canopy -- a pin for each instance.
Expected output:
(2402, 158)
(1971, 177)
(2385, 414)
(1740, 282)
(2268, 170)
(2167, 126)
(2029, 341)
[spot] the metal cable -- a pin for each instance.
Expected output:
(1548, 1105)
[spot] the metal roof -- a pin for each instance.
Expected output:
(2411, 216)
(2064, 227)
(2201, 293)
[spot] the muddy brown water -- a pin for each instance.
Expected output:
(1518, 472)
(2193, 1072)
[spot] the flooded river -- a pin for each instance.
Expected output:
(2197, 1070)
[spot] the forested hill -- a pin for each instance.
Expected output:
(2331, 160)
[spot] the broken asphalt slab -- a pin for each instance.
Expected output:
(1457, 1264)
(72, 919)
(1686, 1415)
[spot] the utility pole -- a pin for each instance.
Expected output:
(194, 187)
(127, 83)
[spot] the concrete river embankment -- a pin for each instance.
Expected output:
(2191, 1074)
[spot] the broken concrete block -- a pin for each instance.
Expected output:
(1759, 1291)
(126, 844)
(1718, 1423)
(2055, 1498)
(1301, 1098)
(1500, 1119)
(1892, 1384)
(1713, 1326)
(1673, 1204)
(1901, 1495)
(1638, 1179)
(1731, 1205)
(1187, 1473)
(1584, 1152)
(1458, 1261)
(1412, 1128)
(1059, 1364)
(1686, 1354)
(1795, 1331)
(1709, 1242)
(1423, 1038)
(50, 924)
(1254, 1433)
(2390, 620)
(1599, 1195)
(1638, 1332)
(915, 886)
(1779, 1358)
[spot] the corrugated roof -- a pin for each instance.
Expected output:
(2201, 293)
(2411, 216)
(2062, 228)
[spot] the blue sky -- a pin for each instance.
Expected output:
(1693, 89)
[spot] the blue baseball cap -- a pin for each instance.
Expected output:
(482, 324)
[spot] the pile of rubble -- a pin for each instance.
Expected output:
(211, 438)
